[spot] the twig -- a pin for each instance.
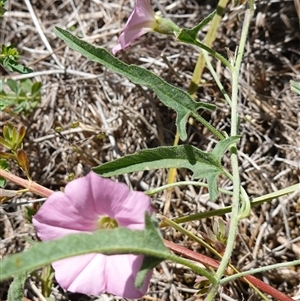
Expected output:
(41, 33)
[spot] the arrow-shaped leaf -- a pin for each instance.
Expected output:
(171, 96)
(202, 164)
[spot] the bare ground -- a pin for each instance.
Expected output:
(77, 90)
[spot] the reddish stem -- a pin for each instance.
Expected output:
(30, 185)
(268, 289)
(207, 261)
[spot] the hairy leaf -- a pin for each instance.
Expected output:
(147, 242)
(171, 96)
(202, 164)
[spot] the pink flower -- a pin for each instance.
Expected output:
(143, 20)
(88, 204)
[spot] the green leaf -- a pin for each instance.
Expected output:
(3, 165)
(113, 241)
(2, 11)
(6, 143)
(26, 85)
(149, 262)
(202, 164)
(171, 96)
(16, 289)
(194, 31)
(295, 87)
(36, 89)
(10, 52)
(25, 97)
(223, 145)
(190, 36)
(13, 85)
(14, 66)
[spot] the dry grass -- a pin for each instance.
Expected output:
(77, 90)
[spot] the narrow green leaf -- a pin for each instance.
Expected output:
(203, 23)
(2, 182)
(114, 241)
(6, 143)
(14, 66)
(2, 81)
(7, 156)
(7, 131)
(171, 96)
(3, 164)
(202, 164)
(295, 86)
(4, 104)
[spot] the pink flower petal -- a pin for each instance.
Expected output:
(128, 213)
(125, 269)
(78, 210)
(82, 274)
(141, 21)
(141, 13)
(84, 200)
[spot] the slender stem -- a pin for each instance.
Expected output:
(182, 183)
(16, 97)
(216, 77)
(255, 202)
(30, 185)
(189, 234)
(214, 53)
(193, 266)
(234, 159)
(259, 270)
(208, 126)
(173, 171)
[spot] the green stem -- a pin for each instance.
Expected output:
(193, 266)
(208, 126)
(179, 228)
(259, 270)
(216, 77)
(234, 160)
(255, 202)
(16, 97)
(214, 53)
(182, 183)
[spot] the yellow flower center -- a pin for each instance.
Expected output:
(106, 222)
